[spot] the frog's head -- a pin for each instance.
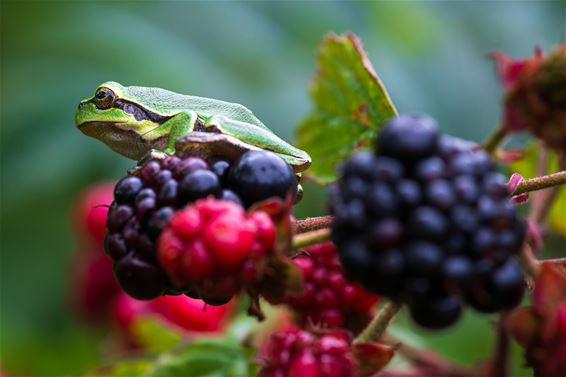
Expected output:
(117, 120)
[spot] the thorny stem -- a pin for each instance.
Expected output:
(530, 264)
(494, 140)
(311, 238)
(379, 323)
(312, 223)
(539, 183)
(501, 354)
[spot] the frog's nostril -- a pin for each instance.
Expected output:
(81, 104)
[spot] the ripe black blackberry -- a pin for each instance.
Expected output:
(144, 204)
(427, 220)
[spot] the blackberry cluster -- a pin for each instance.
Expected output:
(328, 299)
(144, 204)
(426, 219)
(294, 352)
(213, 249)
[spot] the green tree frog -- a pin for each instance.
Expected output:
(140, 121)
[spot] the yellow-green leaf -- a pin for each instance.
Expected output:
(349, 104)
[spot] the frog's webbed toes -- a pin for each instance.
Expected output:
(153, 154)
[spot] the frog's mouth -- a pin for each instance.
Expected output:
(126, 142)
(97, 128)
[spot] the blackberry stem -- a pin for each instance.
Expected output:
(494, 140)
(501, 354)
(559, 261)
(530, 264)
(539, 183)
(312, 223)
(311, 238)
(425, 359)
(379, 323)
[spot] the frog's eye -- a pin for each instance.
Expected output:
(104, 98)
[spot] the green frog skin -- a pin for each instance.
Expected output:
(137, 121)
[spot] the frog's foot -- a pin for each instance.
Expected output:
(153, 154)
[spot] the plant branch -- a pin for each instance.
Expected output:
(547, 197)
(560, 261)
(311, 238)
(425, 359)
(537, 197)
(539, 183)
(501, 355)
(379, 323)
(312, 223)
(529, 263)
(494, 140)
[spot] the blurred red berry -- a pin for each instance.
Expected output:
(189, 314)
(94, 286)
(90, 211)
(328, 299)
(535, 95)
(298, 353)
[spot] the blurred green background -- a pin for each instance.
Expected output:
(430, 55)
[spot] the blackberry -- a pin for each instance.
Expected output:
(427, 220)
(144, 205)
(328, 299)
(293, 352)
(207, 247)
(260, 175)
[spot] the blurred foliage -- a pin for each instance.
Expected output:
(430, 55)
(350, 104)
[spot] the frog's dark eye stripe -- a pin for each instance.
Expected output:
(138, 112)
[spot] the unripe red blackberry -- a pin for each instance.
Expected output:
(294, 353)
(328, 300)
(214, 248)
(144, 205)
(427, 220)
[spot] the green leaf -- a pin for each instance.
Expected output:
(206, 358)
(156, 335)
(202, 358)
(128, 368)
(527, 168)
(350, 104)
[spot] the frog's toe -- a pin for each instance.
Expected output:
(153, 154)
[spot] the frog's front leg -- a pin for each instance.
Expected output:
(175, 127)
